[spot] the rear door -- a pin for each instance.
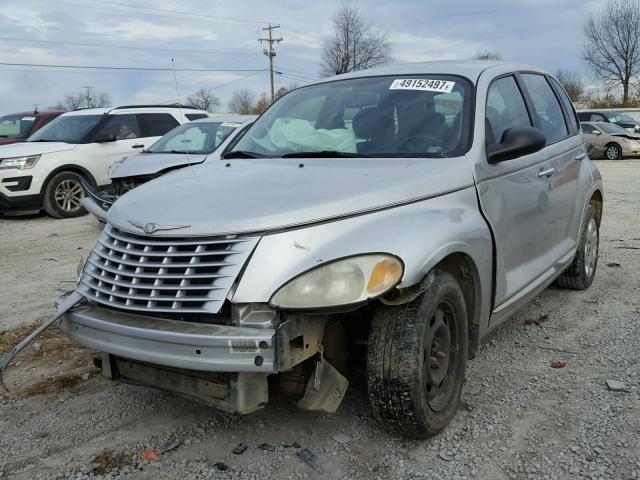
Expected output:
(566, 150)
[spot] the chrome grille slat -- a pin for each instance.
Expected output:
(163, 274)
(150, 253)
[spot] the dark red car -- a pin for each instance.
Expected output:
(17, 127)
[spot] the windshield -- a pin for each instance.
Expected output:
(617, 117)
(201, 138)
(612, 128)
(388, 116)
(68, 129)
(16, 126)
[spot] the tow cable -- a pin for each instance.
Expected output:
(64, 305)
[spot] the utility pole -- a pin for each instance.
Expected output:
(270, 52)
(88, 96)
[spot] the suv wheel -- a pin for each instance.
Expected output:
(613, 152)
(63, 195)
(581, 272)
(417, 358)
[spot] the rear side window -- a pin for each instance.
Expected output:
(196, 116)
(568, 106)
(505, 108)
(549, 117)
(156, 124)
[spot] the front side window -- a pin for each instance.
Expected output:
(122, 127)
(549, 117)
(202, 138)
(612, 128)
(505, 108)
(16, 126)
(388, 116)
(68, 129)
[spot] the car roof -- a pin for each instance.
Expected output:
(128, 109)
(39, 113)
(470, 69)
(226, 118)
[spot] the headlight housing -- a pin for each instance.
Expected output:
(346, 281)
(21, 163)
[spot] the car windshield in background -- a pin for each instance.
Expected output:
(16, 126)
(612, 128)
(387, 116)
(200, 138)
(617, 117)
(71, 129)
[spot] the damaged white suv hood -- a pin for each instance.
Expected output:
(267, 194)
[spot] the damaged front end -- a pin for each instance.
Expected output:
(224, 364)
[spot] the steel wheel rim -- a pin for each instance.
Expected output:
(612, 153)
(439, 357)
(68, 195)
(591, 247)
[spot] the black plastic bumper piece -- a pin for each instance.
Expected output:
(20, 204)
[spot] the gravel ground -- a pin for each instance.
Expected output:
(519, 417)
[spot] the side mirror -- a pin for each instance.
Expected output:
(516, 142)
(597, 132)
(105, 137)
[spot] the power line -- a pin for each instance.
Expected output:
(298, 73)
(129, 47)
(173, 17)
(146, 69)
(177, 11)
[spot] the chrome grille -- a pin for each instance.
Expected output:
(163, 274)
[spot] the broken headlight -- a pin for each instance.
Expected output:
(342, 282)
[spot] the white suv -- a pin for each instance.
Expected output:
(46, 171)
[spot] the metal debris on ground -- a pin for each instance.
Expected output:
(239, 449)
(617, 386)
(309, 458)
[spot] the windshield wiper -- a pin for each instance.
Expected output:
(43, 140)
(321, 154)
(241, 154)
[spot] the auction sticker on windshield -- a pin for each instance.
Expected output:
(423, 84)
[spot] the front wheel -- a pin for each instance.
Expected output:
(416, 361)
(613, 152)
(63, 195)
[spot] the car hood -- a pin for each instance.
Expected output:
(33, 148)
(152, 163)
(631, 136)
(9, 141)
(241, 196)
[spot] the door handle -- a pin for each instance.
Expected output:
(138, 145)
(581, 156)
(547, 172)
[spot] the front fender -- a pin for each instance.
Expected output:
(420, 233)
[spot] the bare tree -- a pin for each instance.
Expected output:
(356, 45)
(487, 55)
(612, 44)
(80, 99)
(573, 85)
(204, 99)
(242, 102)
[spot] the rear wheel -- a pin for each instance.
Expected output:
(417, 358)
(613, 152)
(63, 195)
(582, 271)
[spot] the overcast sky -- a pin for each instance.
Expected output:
(212, 34)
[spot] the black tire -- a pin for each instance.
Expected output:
(62, 196)
(613, 151)
(582, 271)
(400, 383)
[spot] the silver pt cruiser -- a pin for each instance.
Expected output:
(389, 218)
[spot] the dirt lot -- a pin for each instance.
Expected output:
(520, 418)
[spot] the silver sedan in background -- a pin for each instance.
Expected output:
(610, 141)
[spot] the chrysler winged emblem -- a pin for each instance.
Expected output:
(151, 227)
